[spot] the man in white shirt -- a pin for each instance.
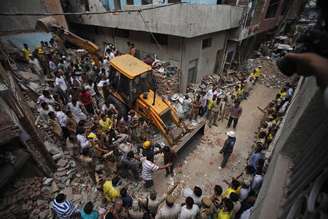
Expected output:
(46, 97)
(62, 119)
(44, 111)
(148, 168)
(37, 68)
(189, 210)
(61, 86)
(82, 140)
(257, 181)
(60, 82)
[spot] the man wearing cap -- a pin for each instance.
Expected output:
(227, 148)
(170, 210)
(207, 210)
(148, 150)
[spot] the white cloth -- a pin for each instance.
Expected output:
(148, 168)
(43, 99)
(246, 214)
(62, 118)
(77, 111)
(243, 193)
(102, 82)
(197, 200)
(209, 94)
(189, 213)
(36, 64)
(105, 108)
(257, 182)
(44, 113)
(61, 83)
(52, 66)
(168, 213)
(83, 141)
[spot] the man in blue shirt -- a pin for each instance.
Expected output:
(227, 148)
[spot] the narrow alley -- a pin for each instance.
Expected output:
(123, 109)
(197, 164)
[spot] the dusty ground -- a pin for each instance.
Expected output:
(198, 164)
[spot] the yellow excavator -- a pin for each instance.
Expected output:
(136, 89)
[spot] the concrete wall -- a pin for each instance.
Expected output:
(142, 40)
(179, 51)
(192, 49)
(299, 148)
(27, 23)
(184, 20)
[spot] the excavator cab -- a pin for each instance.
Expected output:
(130, 83)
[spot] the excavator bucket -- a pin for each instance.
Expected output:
(191, 136)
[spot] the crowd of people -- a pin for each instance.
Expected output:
(75, 106)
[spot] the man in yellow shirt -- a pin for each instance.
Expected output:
(26, 53)
(111, 193)
(105, 123)
(258, 72)
(234, 186)
(226, 210)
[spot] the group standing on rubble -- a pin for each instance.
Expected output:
(83, 120)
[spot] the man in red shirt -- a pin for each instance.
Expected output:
(235, 113)
(86, 99)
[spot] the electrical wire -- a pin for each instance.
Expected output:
(149, 30)
(86, 13)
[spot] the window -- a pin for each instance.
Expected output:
(129, 2)
(146, 2)
(122, 33)
(192, 71)
(206, 43)
(272, 9)
(162, 39)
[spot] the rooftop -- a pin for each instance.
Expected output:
(184, 20)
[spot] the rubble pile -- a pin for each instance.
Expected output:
(167, 80)
(272, 77)
(29, 196)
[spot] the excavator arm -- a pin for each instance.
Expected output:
(49, 25)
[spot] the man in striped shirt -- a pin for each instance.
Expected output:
(148, 168)
(62, 208)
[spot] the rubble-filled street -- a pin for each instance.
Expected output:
(200, 160)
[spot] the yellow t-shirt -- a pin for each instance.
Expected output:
(227, 192)
(224, 214)
(105, 125)
(110, 192)
(230, 190)
(210, 104)
(257, 72)
(26, 54)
